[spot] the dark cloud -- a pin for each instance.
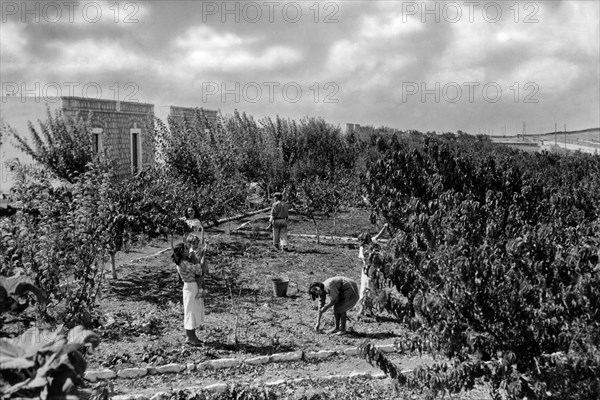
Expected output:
(353, 67)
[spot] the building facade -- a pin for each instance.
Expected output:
(178, 113)
(123, 131)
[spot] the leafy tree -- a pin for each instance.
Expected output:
(203, 158)
(259, 150)
(63, 145)
(3, 128)
(316, 199)
(131, 215)
(494, 263)
(280, 152)
(57, 240)
(321, 150)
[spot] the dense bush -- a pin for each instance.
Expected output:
(57, 239)
(495, 260)
(63, 145)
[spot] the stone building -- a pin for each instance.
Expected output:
(352, 127)
(190, 112)
(121, 130)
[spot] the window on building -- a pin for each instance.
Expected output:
(97, 140)
(136, 150)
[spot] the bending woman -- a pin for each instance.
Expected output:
(343, 295)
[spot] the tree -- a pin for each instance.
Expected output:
(202, 158)
(3, 128)
(63, 145)
(321, 150)
(57, 240)
(494, 263)
(314, 198)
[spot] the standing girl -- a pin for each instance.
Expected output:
(366, 282)
(191, 266)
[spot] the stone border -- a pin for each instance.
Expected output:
(222, 387)
(129, 373)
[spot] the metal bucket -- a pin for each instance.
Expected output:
(280, 286)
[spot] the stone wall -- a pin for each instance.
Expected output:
(117, 120)
(190, 112)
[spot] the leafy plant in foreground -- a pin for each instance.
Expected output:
(13, 292)
(44, 364)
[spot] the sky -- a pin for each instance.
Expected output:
(476, 66)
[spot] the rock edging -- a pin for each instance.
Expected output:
(129, 373)
(222, 387)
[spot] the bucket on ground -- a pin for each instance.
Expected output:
(280, 286)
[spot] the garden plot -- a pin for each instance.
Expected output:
(142, 317)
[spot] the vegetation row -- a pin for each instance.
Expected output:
(493, 262)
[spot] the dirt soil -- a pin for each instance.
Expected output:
(142, 312)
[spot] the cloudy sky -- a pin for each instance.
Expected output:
(477, 66)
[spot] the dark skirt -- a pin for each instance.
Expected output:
(348, 297)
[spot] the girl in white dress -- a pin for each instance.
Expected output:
(365, 276)
(191, 266)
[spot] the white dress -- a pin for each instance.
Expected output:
(365, 281)
(193, 308)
